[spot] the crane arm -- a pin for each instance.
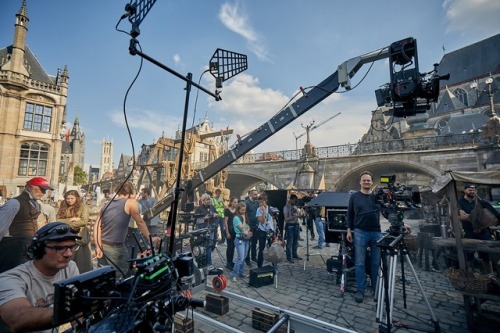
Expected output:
(341, 77)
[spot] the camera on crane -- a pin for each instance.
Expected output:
(394, 199)
(409, 92)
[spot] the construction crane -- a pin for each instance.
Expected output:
(311, 127)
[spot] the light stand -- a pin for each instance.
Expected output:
(307, 247)
(232, 64)
(391, 246)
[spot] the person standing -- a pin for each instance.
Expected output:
(19, 217)
(252, 205)
(242, 240)
(467, 204)
(363, 216)
(147, 202)
(76, 214)
(292, 229)
(27, 290)
(265, 229)
(205, 218)
(320, 229)
(111, 227)
(229, 213)
(218, 203)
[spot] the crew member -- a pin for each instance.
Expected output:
(252, 205)
(265, 229)
(292, 229)
(26, 291)
(205, 218)
(467, 203)
(218, 203)
(20, 218)
(363, 216)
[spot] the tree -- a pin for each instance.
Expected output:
(79, 177)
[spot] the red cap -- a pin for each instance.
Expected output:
(40, 182)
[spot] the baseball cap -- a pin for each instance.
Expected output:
(469, 185)
(56, 231)
(40, 182)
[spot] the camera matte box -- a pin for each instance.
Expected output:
(262, 276)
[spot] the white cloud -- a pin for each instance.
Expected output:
(236, 20)
(473, 15)
(246, 105)
(177, 59)
(155, 124)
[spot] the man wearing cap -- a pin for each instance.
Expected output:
(466, 204)
(26, 291)
(19, 217)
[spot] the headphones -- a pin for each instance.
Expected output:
(36, 250)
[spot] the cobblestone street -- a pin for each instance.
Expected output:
(313, 292)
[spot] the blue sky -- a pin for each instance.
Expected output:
(289, 43)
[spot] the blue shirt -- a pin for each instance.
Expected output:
(7, 213)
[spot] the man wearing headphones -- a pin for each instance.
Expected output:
(19, 217)
(26, 291)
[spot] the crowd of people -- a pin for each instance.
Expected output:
(39, 246)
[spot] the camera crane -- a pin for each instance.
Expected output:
(410, 92)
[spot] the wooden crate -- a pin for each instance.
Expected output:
(183, 325)
(217, 304)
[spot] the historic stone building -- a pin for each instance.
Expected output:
(73, 153)
(32, 113)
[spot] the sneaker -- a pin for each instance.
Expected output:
(298, 258)
(248, 263)
(234, 279)
(327, 245)
(301, 239)
(359, 297)
(290, 261)
(317, 247)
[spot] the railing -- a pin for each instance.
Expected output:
(368, 148)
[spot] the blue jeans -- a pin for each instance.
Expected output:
(292, 232)
(320, 230)
(362, 240)
(241, 246)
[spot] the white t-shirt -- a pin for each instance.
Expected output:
(25, 281)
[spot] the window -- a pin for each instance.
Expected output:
(37, 117)
(33, 159)
(461, 95)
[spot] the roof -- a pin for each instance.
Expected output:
(471, 61)
(36, 70)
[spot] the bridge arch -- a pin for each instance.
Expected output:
(240, 180)
(384, 165)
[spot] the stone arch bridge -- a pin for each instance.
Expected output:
(415, 161)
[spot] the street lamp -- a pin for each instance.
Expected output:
(488, 82)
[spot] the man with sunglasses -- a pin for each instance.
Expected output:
(26, 291)
(18, 222)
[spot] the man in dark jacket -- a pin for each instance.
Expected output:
(19, 216)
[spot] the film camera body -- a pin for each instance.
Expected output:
(394, 200)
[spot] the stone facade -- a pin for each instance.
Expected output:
(32, 113)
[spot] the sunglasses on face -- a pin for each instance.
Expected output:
(63, 249)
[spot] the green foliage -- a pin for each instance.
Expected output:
(80, 176)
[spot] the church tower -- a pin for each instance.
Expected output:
(106, 158)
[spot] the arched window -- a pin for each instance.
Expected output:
(33, 159)
(461, 95)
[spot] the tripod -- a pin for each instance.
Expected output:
(391, 247)
(307, 247)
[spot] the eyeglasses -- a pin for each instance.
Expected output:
(63, 249)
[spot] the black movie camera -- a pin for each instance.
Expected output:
(145, 301)
(394, 200)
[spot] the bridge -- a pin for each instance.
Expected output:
(415, 161)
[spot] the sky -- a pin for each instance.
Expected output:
(289, 44)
